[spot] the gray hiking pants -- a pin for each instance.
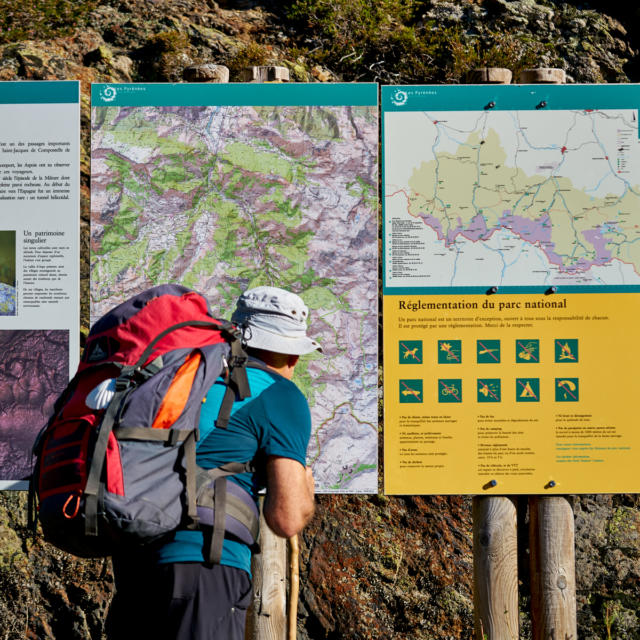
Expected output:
(179, 601)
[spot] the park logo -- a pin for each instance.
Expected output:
(108, 94)
(399, 98)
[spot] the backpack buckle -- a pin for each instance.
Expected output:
(122, 383)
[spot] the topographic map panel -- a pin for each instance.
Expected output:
(34, 371)
(225, 198)
(512, 198)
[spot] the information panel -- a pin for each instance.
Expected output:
(39, 261)
(511, 288)
(225, 187)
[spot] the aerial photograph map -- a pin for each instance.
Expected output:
(223, 198)
(513, 198)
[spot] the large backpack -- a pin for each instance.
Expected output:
(116, 465)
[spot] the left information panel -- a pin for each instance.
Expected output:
(39, 261)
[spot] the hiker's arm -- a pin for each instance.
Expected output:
(289, 503)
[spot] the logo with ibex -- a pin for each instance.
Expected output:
(399, 97)
(108, 94)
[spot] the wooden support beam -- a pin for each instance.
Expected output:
(267, 617)
(495, 526)
(543, 75)
(266, 74)
(495, 568)
(553, 582)
(489, 75)
(217, 73)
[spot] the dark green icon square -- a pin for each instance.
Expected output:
(528, 350)
(566, 350)
(489, 390)
(410, 391)
(449, 351)
(450, 390)
(488, 351)
(567, 389)
(527, 389)
(410, 351)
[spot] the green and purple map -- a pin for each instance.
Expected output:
(223, 198)
(512, 198)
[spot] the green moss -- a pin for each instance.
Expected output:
(165, 55)
(502, 50)
(387, 37)
(252, 55)
(391, 42)
(41, 19)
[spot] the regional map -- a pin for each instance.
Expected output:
(511, 198)
(223, 198)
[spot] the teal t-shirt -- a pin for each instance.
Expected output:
(274, 421)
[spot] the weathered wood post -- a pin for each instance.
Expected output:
(489, 75)
(217, 73)
(542, 75)
(551, 528)
(495, 529)
(553, 582)
(495, 568)
(266, 74)
(267, 616)
(551, 523)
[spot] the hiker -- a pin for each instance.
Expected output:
(174, 593)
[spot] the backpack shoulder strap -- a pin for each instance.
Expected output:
(237, 383)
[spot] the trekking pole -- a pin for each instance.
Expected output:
(294, 585)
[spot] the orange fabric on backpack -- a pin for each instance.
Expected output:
(178, 392)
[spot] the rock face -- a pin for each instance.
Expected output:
(372, 567)
(589, 46)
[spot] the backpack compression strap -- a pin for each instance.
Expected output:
(188, 438)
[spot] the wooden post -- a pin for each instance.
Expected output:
(489, 75)
(266, 74)
(553, 583)
(267, 616)
(543, 75)
(551, 524)
(495, 528)
(495, 568)
(206, 73)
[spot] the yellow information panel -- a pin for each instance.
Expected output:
(511, 393)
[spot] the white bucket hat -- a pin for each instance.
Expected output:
(274, 320)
